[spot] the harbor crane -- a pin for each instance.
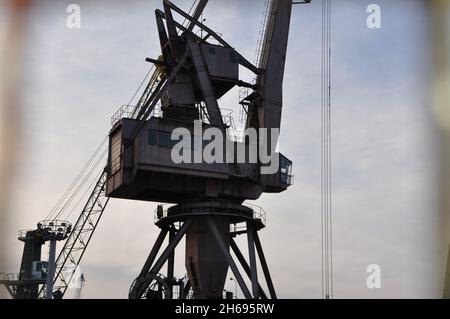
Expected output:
(195, 69)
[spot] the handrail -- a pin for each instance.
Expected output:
(258, 212)
(9, 276)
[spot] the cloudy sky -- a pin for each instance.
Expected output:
(384, 189)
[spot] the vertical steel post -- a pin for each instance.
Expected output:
(245, 266)
(229, 259)
(251, 252)
(171, 260)
(264, 266)
(51, 269)
(151, 257)
(172, 245)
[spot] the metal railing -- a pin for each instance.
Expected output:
(129, 111)
(9, 276)
(258, 213)
(125, 111)
(163, 212)
(233, 134)
(23, 233)
(56, 227)
(244, 92)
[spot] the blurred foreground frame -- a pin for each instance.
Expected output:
(13, 28)
(440, 92)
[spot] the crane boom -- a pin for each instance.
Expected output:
(272, 63)
(76, 244)
(266, 102)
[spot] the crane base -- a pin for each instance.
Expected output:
(209, 228)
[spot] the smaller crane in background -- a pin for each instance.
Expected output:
(33, 270)
(447, 277)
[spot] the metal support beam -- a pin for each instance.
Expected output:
(245, 265)
(229, 259)
(162, 15)
(251, 253)
(145, 100)
(171, 261)
(246, 85)
(264, 266)
(186, 289)
(151, 103)
(204, 81)
(174, 39)
(198, 12)
(156, 62)
(11, 292)
(169, 249)
(163, 38)
(151, 257)
(243, 61)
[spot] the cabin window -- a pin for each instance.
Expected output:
(161, 139)
(116, 152)
(285, 170)
(164, 139)
(152, 137)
